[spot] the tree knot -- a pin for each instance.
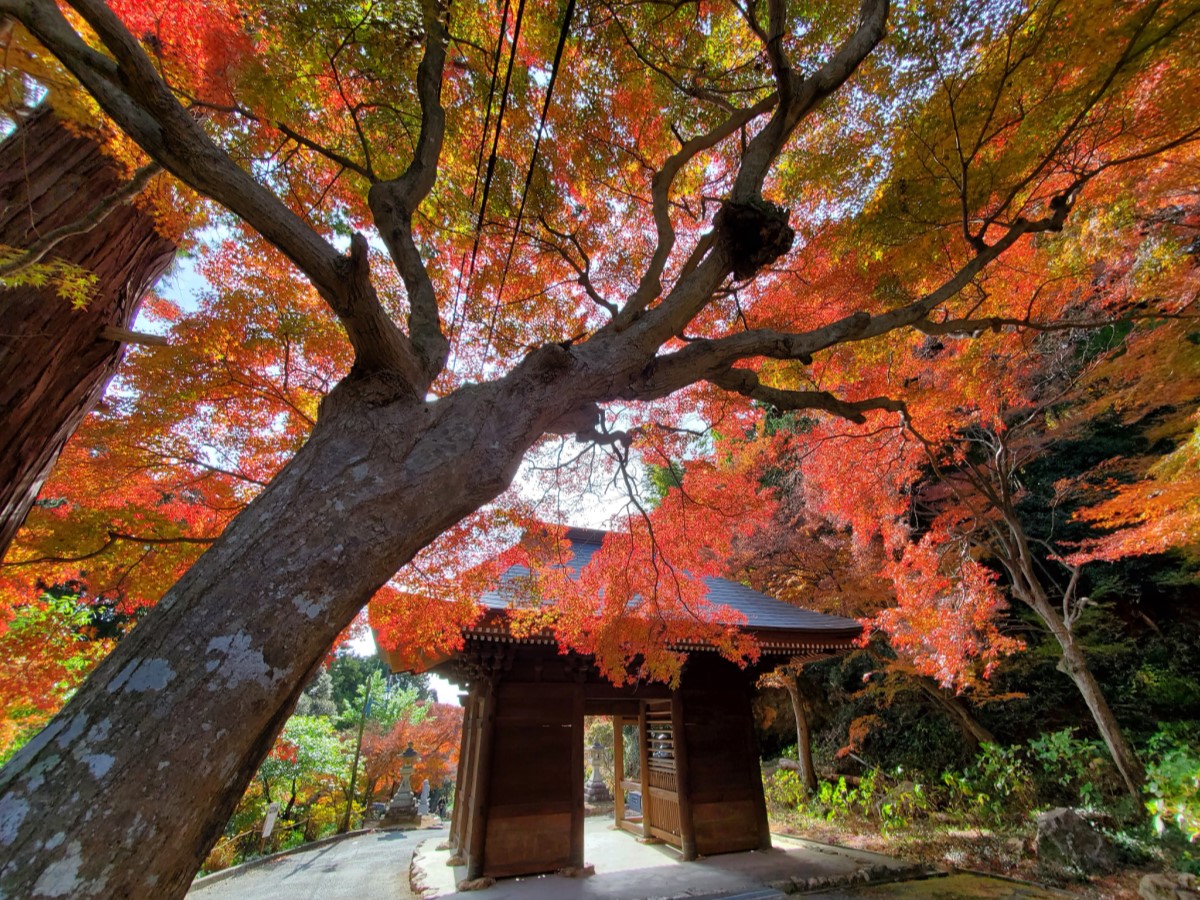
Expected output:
(756, 232)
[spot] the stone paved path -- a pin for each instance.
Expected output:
(369, 867)
(376, 867)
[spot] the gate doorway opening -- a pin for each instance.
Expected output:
(646, 802)
(639, 764)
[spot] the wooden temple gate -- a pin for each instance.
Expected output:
(519, 808)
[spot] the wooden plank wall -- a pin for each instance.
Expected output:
(535, 802)
(724, 781)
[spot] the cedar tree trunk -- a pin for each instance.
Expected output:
(54, 365)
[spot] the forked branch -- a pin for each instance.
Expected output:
(393, 203)
(791, 105)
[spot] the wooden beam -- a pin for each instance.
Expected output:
(757, 795)
(683, 785)
(608, 691)
(618, 725)
(464, 787)
(601, 707)
(126, 336)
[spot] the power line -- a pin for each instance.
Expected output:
(562, 40)
(487, 180)
(487, 120)
(512, 58)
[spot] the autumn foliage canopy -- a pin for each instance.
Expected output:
(966, 128)
(466, 267)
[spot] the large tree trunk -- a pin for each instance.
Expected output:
(129, 786)
(808, 771)
(54, 365)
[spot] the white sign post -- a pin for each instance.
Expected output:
(269, 821)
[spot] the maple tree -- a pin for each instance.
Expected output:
(1145, 502)
(49, 646)
(948, 604)
(307, 759)
(802, 558)
(635, 258)
(981, 469)
(432, 729)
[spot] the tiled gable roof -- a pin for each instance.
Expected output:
(762, 613)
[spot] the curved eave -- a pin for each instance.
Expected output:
(493, 627)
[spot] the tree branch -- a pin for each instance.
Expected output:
(393, 203)
(332, 155)
(803, 94)
(710, 360)
(650, 284)
(113, 538)
(582, 269)
(694, 290)
(746, 383)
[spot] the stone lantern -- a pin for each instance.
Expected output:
(403, 808)
(596, 791)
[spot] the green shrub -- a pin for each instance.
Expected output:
(784, 789)
(998, 786)
(902, 805)
(1173, 782)
(1070, 770)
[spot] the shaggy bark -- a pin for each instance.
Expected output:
(54, 364)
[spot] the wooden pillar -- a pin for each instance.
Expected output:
(577, 776)
(644, 751)
(478, 814)
(618, 724)
(757, 795)
(464, 787)
(460, 780)
(683, 783)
